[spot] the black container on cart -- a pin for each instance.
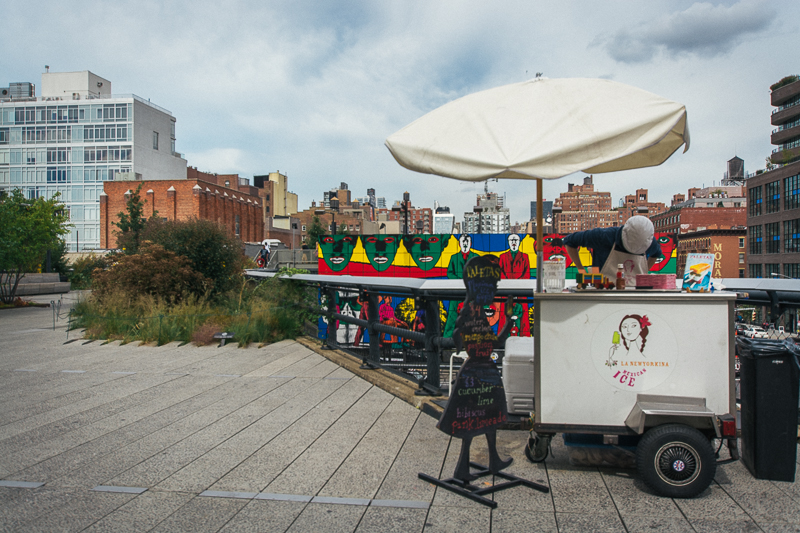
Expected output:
(770, 378)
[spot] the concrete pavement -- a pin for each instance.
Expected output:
(101, 437)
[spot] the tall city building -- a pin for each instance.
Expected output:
(488, 216)
(77, 135)
(773, 196)
(443, 219)
(547, 210)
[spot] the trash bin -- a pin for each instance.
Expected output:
(770, 378)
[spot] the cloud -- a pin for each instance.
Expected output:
(703, 29)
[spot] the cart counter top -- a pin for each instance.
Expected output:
(637, 295)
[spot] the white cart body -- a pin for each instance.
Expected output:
(585, 382)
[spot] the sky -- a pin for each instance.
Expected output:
(312, 89)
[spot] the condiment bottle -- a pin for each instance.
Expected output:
(620, 278)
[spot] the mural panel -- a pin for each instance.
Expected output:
(443, 256)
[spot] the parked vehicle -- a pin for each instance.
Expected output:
(739, 329)
(755, 332)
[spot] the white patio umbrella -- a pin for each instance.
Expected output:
(543, 129)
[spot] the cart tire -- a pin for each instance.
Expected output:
(536, 449)
(676, 461)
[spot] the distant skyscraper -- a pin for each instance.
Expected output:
(547, 210)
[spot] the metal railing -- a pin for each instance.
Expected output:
(292, 258)
(416, 351)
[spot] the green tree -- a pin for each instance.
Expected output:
(315, 231)
(29, 229)
(211, 249)
(132, 222)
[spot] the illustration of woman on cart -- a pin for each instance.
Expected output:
(477, 404)
(633, 331)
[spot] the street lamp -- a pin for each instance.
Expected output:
(775, 275)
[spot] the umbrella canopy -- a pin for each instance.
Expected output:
(543, 129)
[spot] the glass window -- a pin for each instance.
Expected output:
(791, 192)
(791, 236)
(741, 242)
(791, 270)
(754, 201)
(770, 269)
(772, 238)
(755, 239)
(755, 271)
(155, 140)
(772, 193)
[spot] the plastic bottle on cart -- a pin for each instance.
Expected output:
(620, 277)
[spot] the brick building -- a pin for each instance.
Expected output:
(639, 204)
(727, 245)
(420, 219)
(582, 208)
(226, 199)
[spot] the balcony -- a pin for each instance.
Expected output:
(781, 136)
(782, 94)
(787, 114)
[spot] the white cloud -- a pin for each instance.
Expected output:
(703, 29)
(314, 88)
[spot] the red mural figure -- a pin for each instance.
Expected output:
(515, 264)
(553, 247)
(667, 243)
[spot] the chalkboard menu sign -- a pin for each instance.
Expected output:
(477, 404)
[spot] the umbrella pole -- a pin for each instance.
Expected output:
(539, 236)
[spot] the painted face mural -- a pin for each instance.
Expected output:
(380, 250)
(337, 250)
(667, 243)
(513, 242)
(425, 250)
(465, 243)
(553, 247)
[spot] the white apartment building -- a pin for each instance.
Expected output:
(488, 216)
(77, 135)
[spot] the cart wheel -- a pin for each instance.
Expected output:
(536, 449)
(676, 461)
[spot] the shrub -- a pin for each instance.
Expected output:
(81, 275)
(154, 271)
(210, 249)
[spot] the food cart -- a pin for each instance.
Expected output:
(653, 364)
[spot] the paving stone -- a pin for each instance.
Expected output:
(328, 518)
(713, 503)
(580, 523)
(295, 398)
(392, 520)
(78, 512)
(264, 516)
(505, 520)
(260, 469)
(463, 519)
(402, 481)
(361, 474)
(707, 525)
(308, 473)
(637, 524)
(201, 515)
